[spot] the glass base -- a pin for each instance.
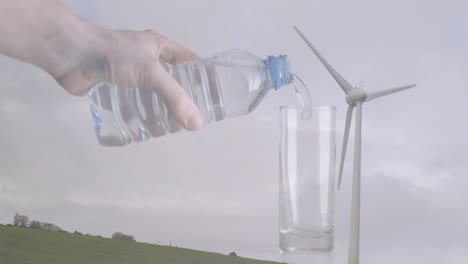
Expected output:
(302, 244)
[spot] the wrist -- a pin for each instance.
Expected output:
(68, 40)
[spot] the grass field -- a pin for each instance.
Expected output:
(32, 246)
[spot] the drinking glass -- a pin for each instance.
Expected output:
(307, 179)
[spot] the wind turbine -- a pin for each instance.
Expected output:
(355, 97)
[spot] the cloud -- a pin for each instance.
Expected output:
(211, 189)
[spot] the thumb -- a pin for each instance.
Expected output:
(173, 52)
(176, 98)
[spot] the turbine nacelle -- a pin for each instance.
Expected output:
(357, 95)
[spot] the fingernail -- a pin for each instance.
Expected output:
(195, 121)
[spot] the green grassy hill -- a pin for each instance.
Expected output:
(32, 246)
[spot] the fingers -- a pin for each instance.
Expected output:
(174, 52)
(176, 99)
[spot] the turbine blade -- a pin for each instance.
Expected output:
(353, 257)
(374, 95)
(342, 82)
(349, 116)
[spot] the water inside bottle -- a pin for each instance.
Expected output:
(303, 96)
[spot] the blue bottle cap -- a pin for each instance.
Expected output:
(278, 70)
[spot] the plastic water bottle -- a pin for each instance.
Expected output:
(227, 85)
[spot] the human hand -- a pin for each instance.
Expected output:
(79, 54)
(134, 59)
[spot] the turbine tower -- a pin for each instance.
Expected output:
(355, 97)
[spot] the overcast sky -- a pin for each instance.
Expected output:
(216, 189)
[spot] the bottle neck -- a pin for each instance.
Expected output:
(278, 71)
